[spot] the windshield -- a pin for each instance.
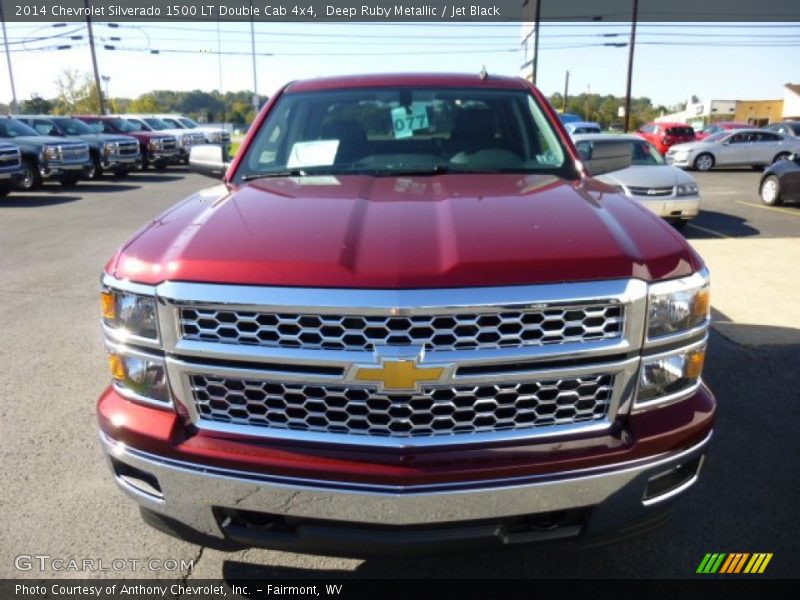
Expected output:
(74, 127)
(11, 128)
(406, 131)
(124, 125)
(156, 124)
(188, 123)
(642, 152)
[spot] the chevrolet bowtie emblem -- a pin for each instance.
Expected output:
(399, 374)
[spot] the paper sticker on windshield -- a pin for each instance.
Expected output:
(408, 120)
(318, 153)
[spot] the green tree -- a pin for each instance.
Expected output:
(146, 103)
(36, 105)
(77, 93)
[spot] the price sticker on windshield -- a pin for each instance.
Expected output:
(407, 120)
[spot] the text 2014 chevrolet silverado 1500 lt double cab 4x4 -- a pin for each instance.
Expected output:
(406, 319)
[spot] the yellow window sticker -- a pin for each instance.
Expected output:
(407, 120)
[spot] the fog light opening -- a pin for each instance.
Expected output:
(666, 485)
(136, 479)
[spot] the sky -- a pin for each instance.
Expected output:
(673, 61)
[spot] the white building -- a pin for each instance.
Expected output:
(700, 114)
(791, 101)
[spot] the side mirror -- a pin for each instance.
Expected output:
(208, 160)
(608, 157)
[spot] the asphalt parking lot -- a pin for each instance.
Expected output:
(60, 500)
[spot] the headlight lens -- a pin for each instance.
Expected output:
(678, 305)
(140, 376)
(687, 189)
(132, 313)
(666, 376)
(186, 140)
(216, 137)
(110, 148)
(153, 145)
(50, 152)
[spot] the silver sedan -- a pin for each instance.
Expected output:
(666, 190)
(740, 147)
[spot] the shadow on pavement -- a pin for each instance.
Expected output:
(27, 200)
(715, 225)
(86, 187)
(153, 177)
(745, 499)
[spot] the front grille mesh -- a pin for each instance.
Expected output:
(651, 192)
(128, 148)
(435, 332)
(436, 410)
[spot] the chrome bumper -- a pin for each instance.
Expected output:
(189, 492)
(672, 207)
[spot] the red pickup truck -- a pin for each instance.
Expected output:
(407, 319)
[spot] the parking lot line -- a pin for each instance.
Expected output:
(706, 230)
(783, 210)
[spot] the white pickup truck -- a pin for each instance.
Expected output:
(213, 135)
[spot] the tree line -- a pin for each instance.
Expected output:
(78, 95)
(604, 109)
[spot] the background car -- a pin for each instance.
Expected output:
(713, 128)
(158, 150)
(787, 128)
(11, 171)
(45, 156)
(742, 147)
(582, 127)
(108, 152)
(213, 135)
(668, 191)
(186, 138)
(665, 135)
(781, 182)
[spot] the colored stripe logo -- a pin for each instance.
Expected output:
(734, 563)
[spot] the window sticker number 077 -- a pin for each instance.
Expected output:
(407, 121)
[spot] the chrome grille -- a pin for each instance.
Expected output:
(651, 192)
(77, 153)
(436, 410)
(10, 158)
(462, 331)
(128, 148)
(167, 143)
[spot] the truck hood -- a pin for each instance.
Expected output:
(104, 137)
(405, 232)
(41, 140)
(648, 176)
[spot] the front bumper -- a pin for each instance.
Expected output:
(684, 161)
(340, 513)
(114, 162)
(672, 207)
(11, 176)
(57, 170)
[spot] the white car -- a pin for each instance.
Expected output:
(186, 138)
(668, 191)
(739, 147)
(213, 135)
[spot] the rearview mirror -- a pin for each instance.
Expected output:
(208, 160)
(608, 157)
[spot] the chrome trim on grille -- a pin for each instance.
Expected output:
(336, 367)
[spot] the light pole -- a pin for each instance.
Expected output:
(14, 106)
(253, 49)
(100, 103)
(106, 79)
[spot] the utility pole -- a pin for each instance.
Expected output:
(536, 19)
(566, 91)
(256, 101)
(630, 66)
(14, 105)
(100, 102)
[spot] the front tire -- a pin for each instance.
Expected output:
(771, 191)
(31, 178)
(704, 162)
(95, 171)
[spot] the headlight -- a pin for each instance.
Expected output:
(666, 377)
(678, 305)
(139, 375)
(687, 189)
(186, 140)
(131, 314)
(110, 148)
(50, 152)
(153, 145)
(216, 137)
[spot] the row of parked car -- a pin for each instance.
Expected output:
(35, 148)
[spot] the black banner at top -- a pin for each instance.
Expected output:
(349, 11)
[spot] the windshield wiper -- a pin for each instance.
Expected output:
(268, 174)
(407, 171)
